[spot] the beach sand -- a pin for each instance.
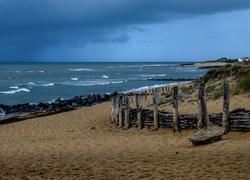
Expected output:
(83, 144)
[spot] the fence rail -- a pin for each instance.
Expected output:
(123, 116)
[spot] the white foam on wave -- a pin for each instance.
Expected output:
(2, 112)
(144, 88)
(41, 71)
(90, 83)
(15, 91)
(40, 84)
(82, 69)
(48, 84)
(74, 79)
(14, 87)
(149, 65)
(31, 83)
(187, 69)
(104, 76)
(161, 75)
(151, 75)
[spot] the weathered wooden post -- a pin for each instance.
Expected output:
(225, 108)
(120, 110)
(131, 97)
(127, 109)
(113, 105)
(203, 120)
(146, 93)
(175, 109)
(150, 94)
(166, 90)
(117, 110)
(139, 111)
(155, 108)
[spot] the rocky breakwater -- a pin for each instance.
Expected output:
(30, 110)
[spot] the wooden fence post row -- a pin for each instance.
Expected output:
(121, 113)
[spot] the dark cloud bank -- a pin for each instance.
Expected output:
(28, 27)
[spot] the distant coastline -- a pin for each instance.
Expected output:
(204, 65)
(209, 64)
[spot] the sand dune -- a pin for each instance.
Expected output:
(82, 144)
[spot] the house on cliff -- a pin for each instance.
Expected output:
(244, 59)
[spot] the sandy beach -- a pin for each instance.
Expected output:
(83, 144)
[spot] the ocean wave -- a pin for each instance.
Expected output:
(144, 88)
(104, 76)
(48, 84)
(2, 112)
(150, 65)
(187, 69)
(82, 69)
(90, 83)
(31, 83)
(161, 75)
(41, 71)
(40, 84)
(151, 75)
(30, 71)
(14, 87)
(15, 91)
(74, 79)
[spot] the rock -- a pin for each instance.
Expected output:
(74, 104)
(207, 135)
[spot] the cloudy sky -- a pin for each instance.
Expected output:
(123, 30)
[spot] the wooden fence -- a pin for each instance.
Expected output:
(123, 116)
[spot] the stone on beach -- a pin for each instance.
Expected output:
(207, 135)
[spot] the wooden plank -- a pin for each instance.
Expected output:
(175, 109)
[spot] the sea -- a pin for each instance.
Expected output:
(44, 82)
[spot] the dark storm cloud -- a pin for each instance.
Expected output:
(30, 26)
